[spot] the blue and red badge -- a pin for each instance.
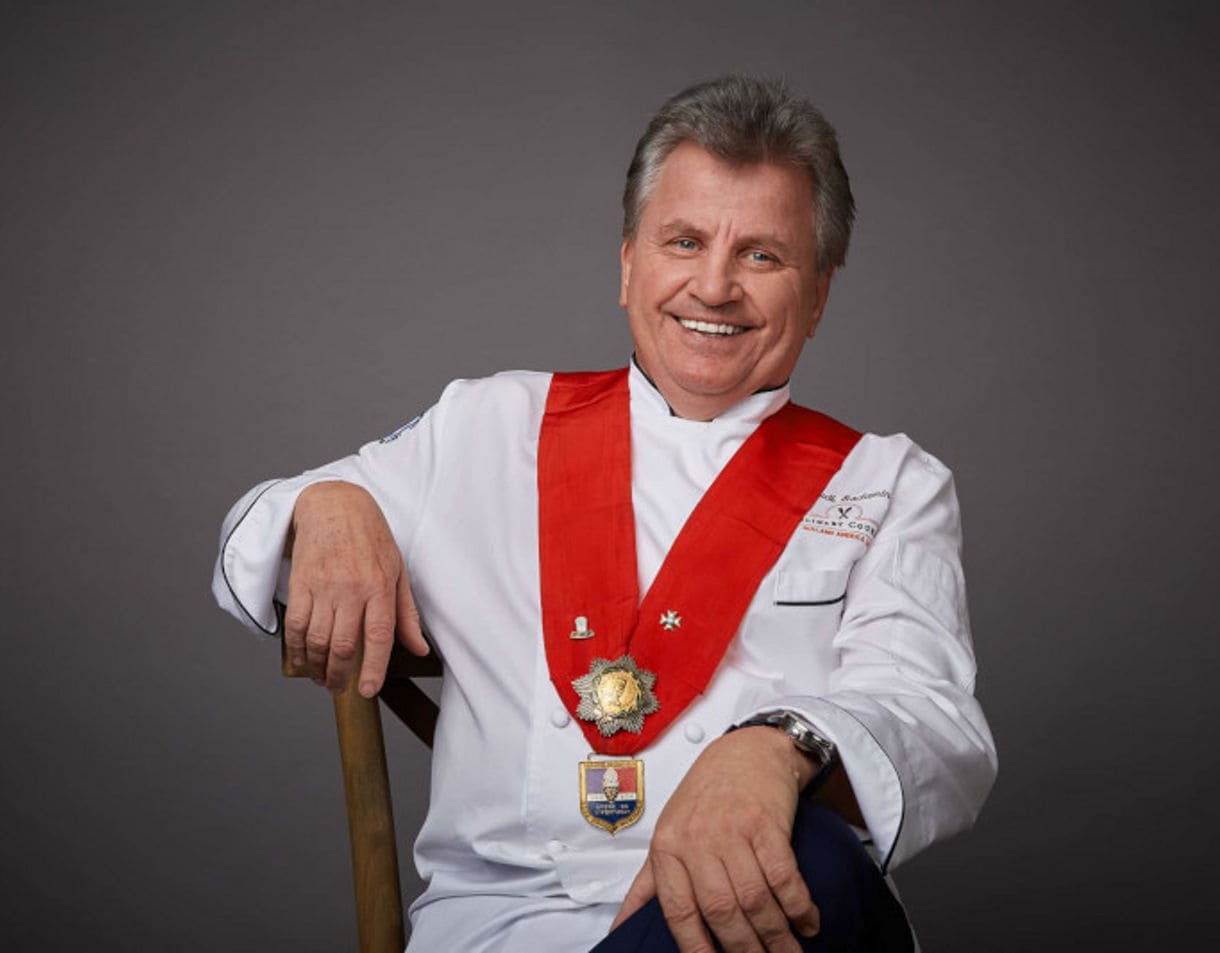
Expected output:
(612, 793)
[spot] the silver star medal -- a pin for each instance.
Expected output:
(616, 695)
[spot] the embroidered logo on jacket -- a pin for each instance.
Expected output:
(388, 438)
(847, 516)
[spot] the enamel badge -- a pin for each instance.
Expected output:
(612, 793)
(616, 695)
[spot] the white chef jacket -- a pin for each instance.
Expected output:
(860, 626)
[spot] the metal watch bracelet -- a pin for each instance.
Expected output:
(804, 737)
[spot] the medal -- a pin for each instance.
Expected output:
(612, 792)
(616, 695)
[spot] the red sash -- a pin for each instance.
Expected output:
(730, 541)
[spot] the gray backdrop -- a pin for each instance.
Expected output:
(241, 239)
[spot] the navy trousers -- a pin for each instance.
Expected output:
(859, 912)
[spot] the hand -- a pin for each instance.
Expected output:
(721, 856)
(347, 587)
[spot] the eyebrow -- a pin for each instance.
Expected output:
(679, 226)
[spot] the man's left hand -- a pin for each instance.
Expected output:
(721, 855)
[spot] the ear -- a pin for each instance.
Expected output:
(624, 260)
(822, 292)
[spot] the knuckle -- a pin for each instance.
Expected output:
(719, 907)
(343, 650)
(775, 935)
(378, 581)
(782, 874)
(379, 631)
(754, 898)
(316, 641)
(680, 912)
(667, 840)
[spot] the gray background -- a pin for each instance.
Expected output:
(240, 239)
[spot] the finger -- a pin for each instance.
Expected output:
(759, 904)
(409, 629)
(317, 638)
(677, 897)
(344, 642)
(779, 867)
(378, 643)
(642, 889)
(296, 621)
(720, 908)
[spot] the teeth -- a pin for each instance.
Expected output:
(708, 328)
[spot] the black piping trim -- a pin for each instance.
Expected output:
(803, 602)
(635, 361)
(223, 572)
(902, 817)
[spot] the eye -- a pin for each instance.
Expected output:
(685, 244)
(759, 257)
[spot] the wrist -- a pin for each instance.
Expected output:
(810, 756)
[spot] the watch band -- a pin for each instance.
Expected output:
(805, 737)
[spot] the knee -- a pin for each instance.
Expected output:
(859, 911)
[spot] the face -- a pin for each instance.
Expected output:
(720, 281)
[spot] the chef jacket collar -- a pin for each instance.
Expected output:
(751, 410)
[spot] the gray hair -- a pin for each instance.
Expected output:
(745, 119)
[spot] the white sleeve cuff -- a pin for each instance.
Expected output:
(874, 778)
(250, 569)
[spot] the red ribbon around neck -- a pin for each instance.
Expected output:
(729, 542)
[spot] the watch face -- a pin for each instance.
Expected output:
(805, 738)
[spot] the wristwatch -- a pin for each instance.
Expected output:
(804, 737)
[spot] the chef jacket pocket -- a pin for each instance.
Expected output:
(810, 587)
(788, 636)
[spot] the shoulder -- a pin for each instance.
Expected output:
(506, 385)
(887, 475)
(870, 452)
(908, 490)
(487, 409)
(896, 453)
(507, 395)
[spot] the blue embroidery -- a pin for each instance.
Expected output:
(390, 437)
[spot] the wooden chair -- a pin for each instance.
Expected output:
(366, 785)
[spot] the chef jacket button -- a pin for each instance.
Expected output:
(560, 718)
(693, 732)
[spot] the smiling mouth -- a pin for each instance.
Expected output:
(708, 327)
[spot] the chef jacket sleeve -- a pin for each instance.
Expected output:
(900, 705)
(251, 572)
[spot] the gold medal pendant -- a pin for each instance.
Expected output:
(616, 695)
(612, 792)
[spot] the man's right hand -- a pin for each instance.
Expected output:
(347, 584)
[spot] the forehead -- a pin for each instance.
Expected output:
(695, 186)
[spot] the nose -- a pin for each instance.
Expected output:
(714, 282)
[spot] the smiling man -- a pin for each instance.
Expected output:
(720, 279)
(708, 674)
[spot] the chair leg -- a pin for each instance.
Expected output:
(371, 823)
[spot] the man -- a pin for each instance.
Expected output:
(620, 568)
